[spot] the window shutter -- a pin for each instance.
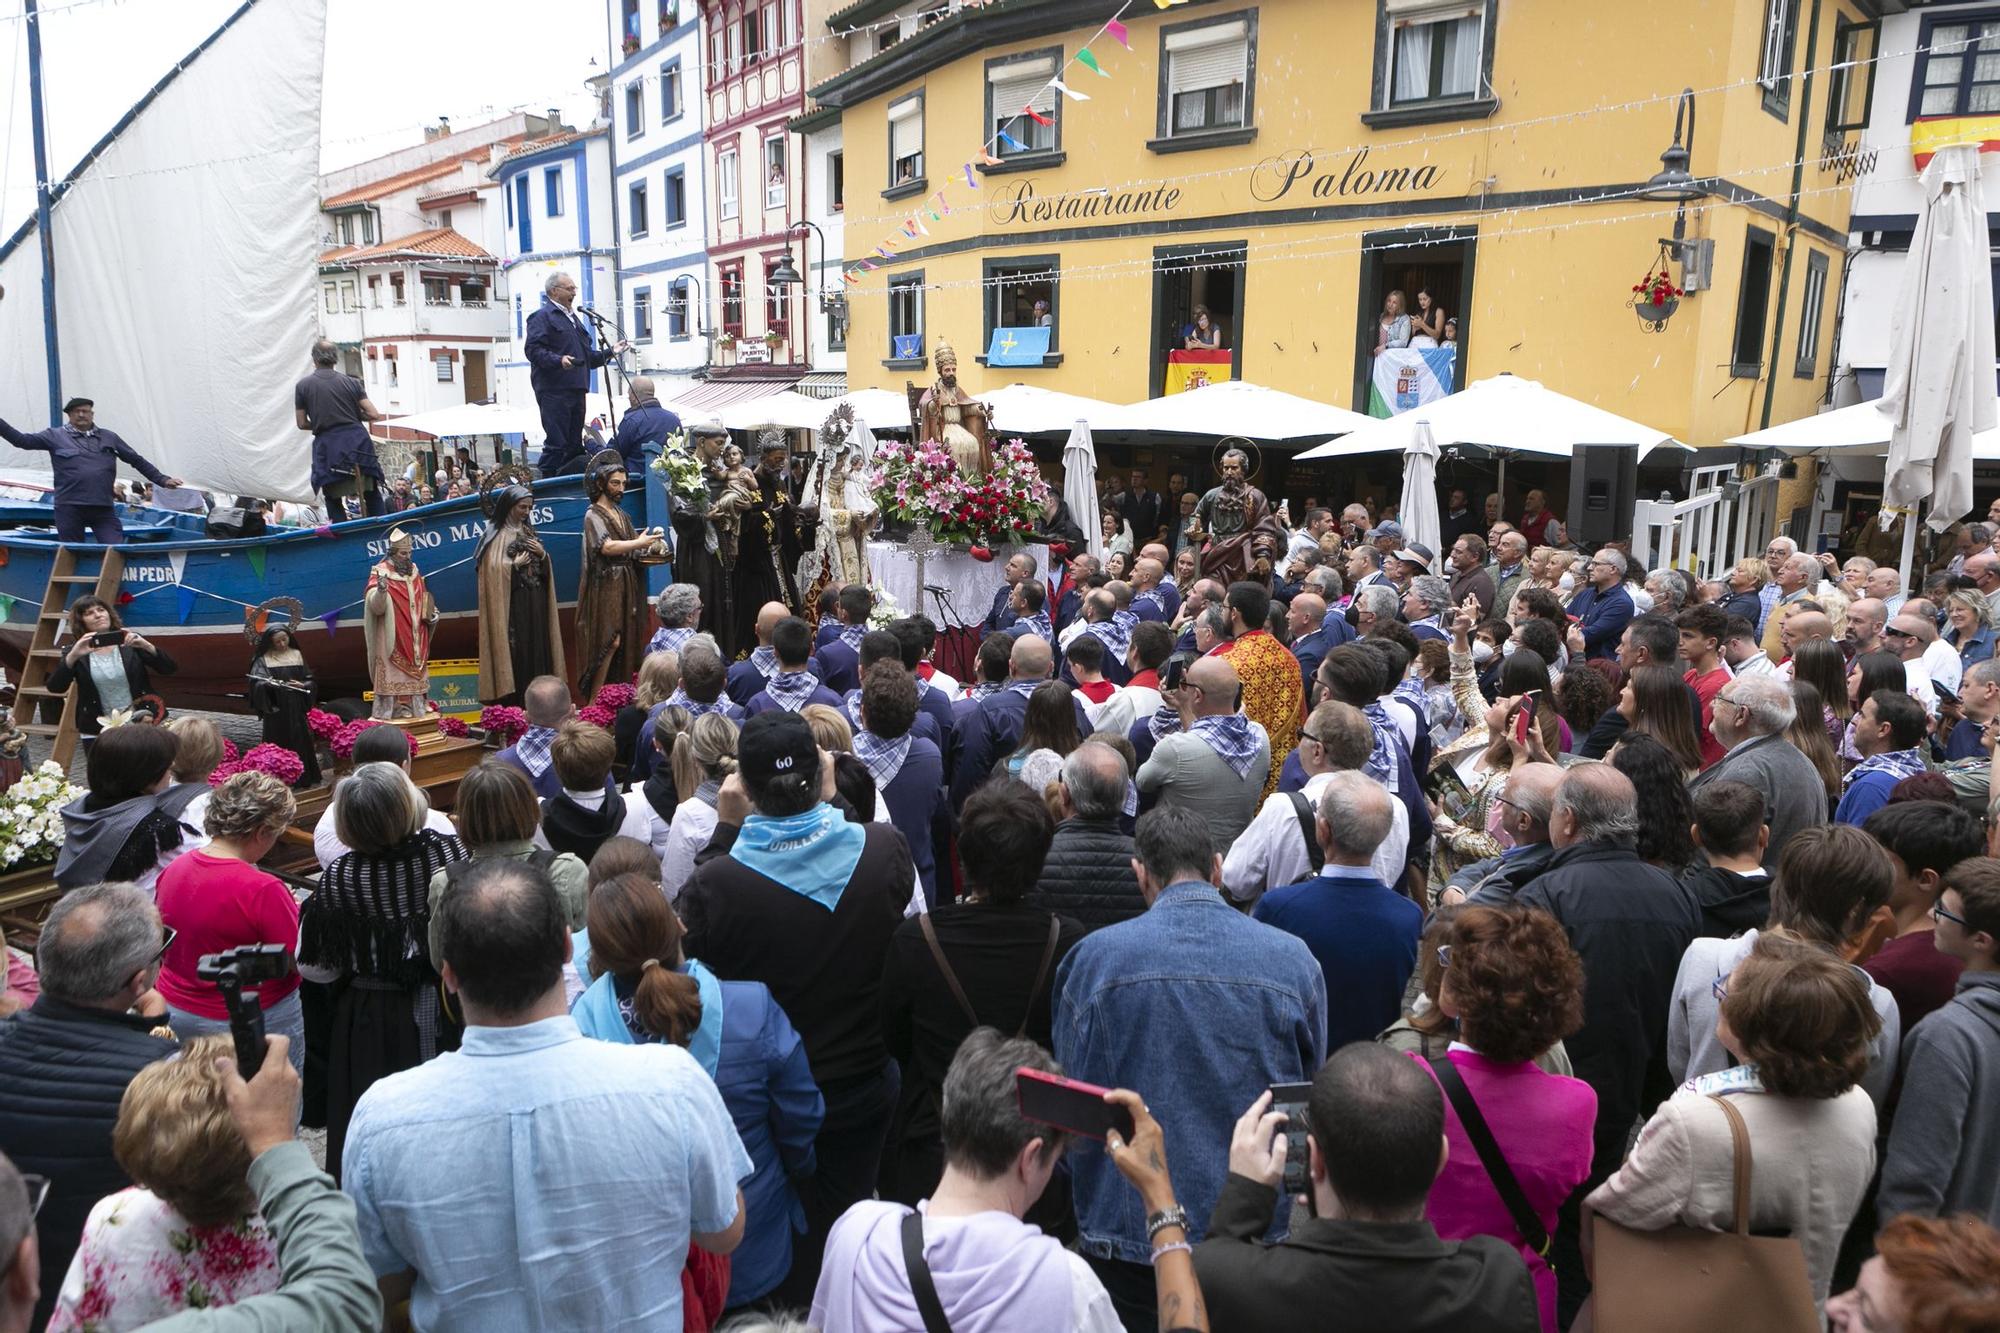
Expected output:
(1213, 66)
(1022, 84)
(906, 130)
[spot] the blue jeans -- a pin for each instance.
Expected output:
(286, 1018)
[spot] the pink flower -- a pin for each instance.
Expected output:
(597, 715)
(452, 726)
(615, 696)
(276, 760)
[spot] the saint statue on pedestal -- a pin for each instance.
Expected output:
(399, 616)
(952, 417)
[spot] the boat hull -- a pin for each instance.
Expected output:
(192, 597)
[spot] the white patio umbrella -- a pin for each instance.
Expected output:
(1419, 509)
(1938, 389)
(472, 419)
(1080, 485)
(785, 409)
(1023, 409)
(1504, 413)
(1860, 430)
(1239, 408)
(882, 409)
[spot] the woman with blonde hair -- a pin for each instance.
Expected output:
(214, 898)
(198, 753)
(831, 730)
(1810, 734)
(704, 754)
(1564, 577)
(1746, 581)
(187, 1234)
(1972, 631)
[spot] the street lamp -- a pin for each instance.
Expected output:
(784, 275)
(1672, 183)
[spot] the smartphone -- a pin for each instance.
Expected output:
(1524, 716)
(1291, 1098)
(1067, 1104)
(108, 638)
(1176, 673)
(1945, 692)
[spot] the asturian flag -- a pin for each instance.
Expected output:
(1407, 377)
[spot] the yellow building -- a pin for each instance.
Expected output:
(1288, 163)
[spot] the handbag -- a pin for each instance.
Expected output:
(1686, 1277)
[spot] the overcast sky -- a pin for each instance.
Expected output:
(391, 67)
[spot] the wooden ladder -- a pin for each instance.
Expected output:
(66, 582)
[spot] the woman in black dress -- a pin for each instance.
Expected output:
(282, 692)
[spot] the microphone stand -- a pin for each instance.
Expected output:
(616, 361)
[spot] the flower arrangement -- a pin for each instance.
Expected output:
(503, 722)
(342, 744)
(1657, 289)
(597, 715)
(774, 339)
(886, 612)
(726, 341)
(275, 760)
(323, 724)
(631, 44)
(31, 825)
(615, 694)
(682, 470)
(919, 483)
(230, 754)
(1655, 297)
(451, 726)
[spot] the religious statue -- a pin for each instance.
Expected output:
(776, 532)
(1233, 527)
(399, 616)
(953, 418)
(839, 483)
(519, 635)
(282, 692)
(611, 604)
(726, 510)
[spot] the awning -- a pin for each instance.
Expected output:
(822, 384)
(714, 395)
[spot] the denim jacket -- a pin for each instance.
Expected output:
(1197, 1008)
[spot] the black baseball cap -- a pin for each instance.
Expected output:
(776, 744)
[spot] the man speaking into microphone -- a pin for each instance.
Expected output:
(561, 354)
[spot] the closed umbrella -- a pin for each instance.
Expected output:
(1938, 389)
(1080, 486)
(1419, 510)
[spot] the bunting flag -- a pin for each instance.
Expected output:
(256, 554)
(178, 559)
(940, 201)
(886, 254)
(909, 231)
(917, 220)
(869, 265)
(184, 598)
(1089, 61)
(988, 159)
(850, 276)
(6, 608)
(1119, 33)
(331, 620)
(1037, 116)
(1012, 143)
(970, 182)
(1067, 91)
(1167, 4)
(935, 216)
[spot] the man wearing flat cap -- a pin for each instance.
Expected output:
(85, 461)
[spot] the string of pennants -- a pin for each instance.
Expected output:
(937, 207)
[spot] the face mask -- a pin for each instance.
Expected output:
(1482, 652)
(1506, 649)
(1567, 583)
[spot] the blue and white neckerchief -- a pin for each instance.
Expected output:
(765, 660)
(1166, 720)
(1411, 691)
(884, 758)
(669, 640)
(1722, 1083)
(851, 635)
(1116, 638)
(1231, 736)
(533, 749)
(791, 690)
(721, 704)
(1152, 598)
(1037, 624)
(1381, 763)
(1900, 763)
(986, 689)
(1025, 688)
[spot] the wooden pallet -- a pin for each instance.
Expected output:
(67, 580)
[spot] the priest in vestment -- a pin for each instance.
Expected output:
(397, 620)
(1273, 687)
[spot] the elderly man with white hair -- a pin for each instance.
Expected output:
(679, 609)
(1750, 717)
(1776, 554)
(1794, 582)
(1425, 606)
(561, 354)
(1604, 607)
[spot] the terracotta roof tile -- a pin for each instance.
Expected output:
(403, 180)
(441, 242)
(549, 141)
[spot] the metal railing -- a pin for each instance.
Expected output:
(1721, 520)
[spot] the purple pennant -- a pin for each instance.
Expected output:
(331, 620)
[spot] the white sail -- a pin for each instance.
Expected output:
(185, 249)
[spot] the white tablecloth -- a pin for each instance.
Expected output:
(969, 584)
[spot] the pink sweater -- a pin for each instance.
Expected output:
(1543, 1124)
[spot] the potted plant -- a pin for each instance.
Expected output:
(774, 340)
(1655, 298)
(631, 44)
(726, 342)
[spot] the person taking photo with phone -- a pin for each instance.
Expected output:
(108, 665)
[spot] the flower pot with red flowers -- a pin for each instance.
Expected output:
(1655, 297)
(631, 45)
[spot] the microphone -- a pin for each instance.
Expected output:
(940, 589)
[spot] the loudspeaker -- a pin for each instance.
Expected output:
(1603, 487)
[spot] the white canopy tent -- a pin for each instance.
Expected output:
(1860, 430)
(1239, 408)
(1505, 413)
(473, 419)
(784, 409)
(882, 409)
(1022, 409)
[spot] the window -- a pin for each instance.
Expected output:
(774, 172)
(635, 209)
(635, 109)
(673, 199)
(1811, 313)
(753, 49)
(906, 144)
(1753, 304)
(444, 219)
(906, 317)
(1017, 83)
(392, 372)
(374, 293)
(731, 279)
(1435, 54)
(726, 182)
(1205, 76)
(396, 289)
(437, 291)
(670, 91)
(472, 292)
(774, 32)
(1851, 83)
(677, 309)
(552, 186)
(368, 229)
(1774, 63)
(332, 295)
(1021, 294)
(630, 18)
(519, 326)
(642, 314)
(347, 302)
(442, 362)
(347, 229)
(777, 300)
(836, 182)
(521, 213)
(1958, 70)
(736, 31)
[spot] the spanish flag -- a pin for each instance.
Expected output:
(1191, 370)
(1927, 136)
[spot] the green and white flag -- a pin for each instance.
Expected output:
(1407, 377)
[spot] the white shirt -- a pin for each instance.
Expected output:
(1271, 852)
(1091, 711)
(1404, 715)
(1754, 665)
(328, 848)
(1942, 661)
(636, 824)
(1302, 541)
(1122, 709)
(940, 681)
(1920, 685)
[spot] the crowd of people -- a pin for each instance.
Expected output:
(1439, 938)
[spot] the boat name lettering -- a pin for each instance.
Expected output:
(380, 547)
(149, 574)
